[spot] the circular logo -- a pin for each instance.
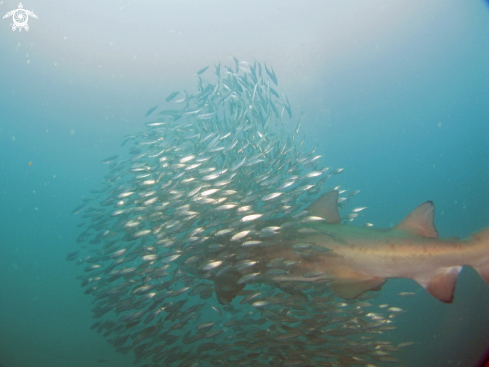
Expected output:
(20, 18)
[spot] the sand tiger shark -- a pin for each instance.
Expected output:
(357, 259)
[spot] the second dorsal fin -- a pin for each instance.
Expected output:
(420, 221)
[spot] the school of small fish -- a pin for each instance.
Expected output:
(166, 246)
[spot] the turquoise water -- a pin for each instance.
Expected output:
(393, 92)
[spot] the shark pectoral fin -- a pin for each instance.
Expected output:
(420, 221)
(291, 289)
(326, 207)
(441, 285)
(227, 287)
(352, 288)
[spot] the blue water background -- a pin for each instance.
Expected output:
(394, 92)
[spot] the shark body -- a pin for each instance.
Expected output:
(354, 259)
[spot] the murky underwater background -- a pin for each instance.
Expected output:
(394, 92)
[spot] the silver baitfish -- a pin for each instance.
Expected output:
(169, 245)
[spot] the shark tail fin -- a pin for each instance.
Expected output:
(481, 238)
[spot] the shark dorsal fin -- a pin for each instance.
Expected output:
(420, 221)
(326, 207)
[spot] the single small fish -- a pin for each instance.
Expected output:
(202, 71)
(206, 116)
(356, 210)
(205, 325)
(171, 96)
(259, 304)
(240, 235)
(301, 246)
(406, 294)
(314, 174)
(92, 267)
(110, 159)
(72, 256)
(210, 177)
(149, 257)
(119, 253)
(211, 264)
(271, 196)
(405, 344)
(226, 206)
(209, 192)
(132, 223)
(142, 233)
(312, 218)
(395, 309)
(238, 164)
(244, 209)
(78, 209)
(187, 158)
(272, 75)
(251, 217)
(249, 277)
(182, 99)
(251, 243)
(170, 258)
(245, 264)
(151, 110)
